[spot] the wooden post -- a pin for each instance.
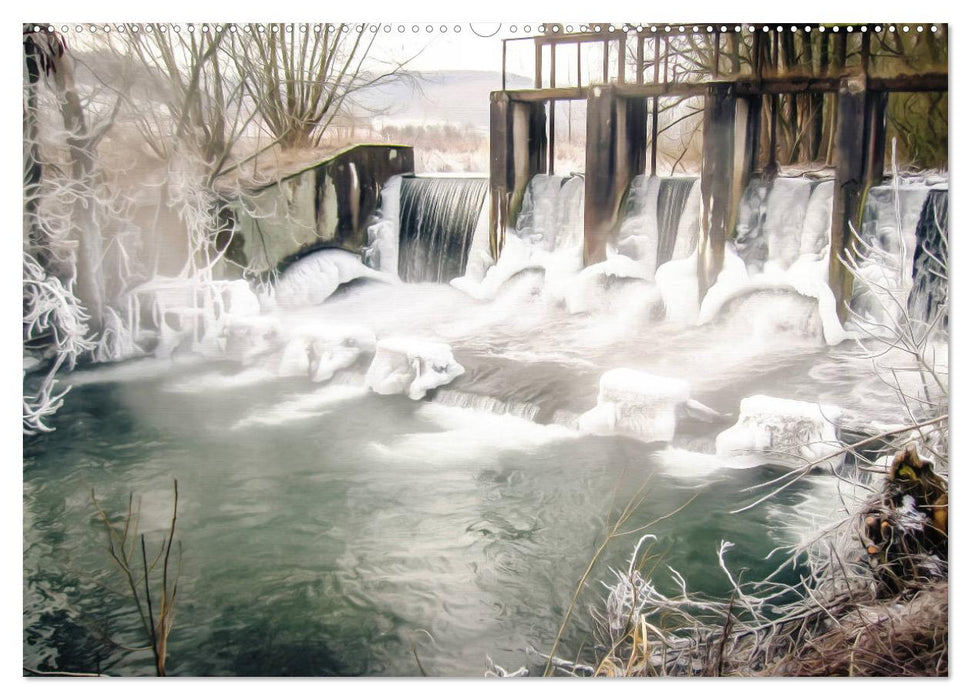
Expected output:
(551, 140)
(616, 147)
(717, 174)
(622, 59)
(504, 63)
(657, 75)
(640, 60)
(850, 149)
(517, 151)
(579, 67)
(876, 126)
(718, 55)
(538, 63)
(606, 61)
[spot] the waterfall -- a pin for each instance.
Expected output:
(548, 237)
(771, 221)
(896, 271)
(551, 217)
(890, 218)
(438, 217)
(929, 292)
(654, 229)
(781, 235)
(671, 198)
(785, 213)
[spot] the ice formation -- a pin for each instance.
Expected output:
(411, 366)
(548, 236)
(777, 431)
(312, 279)
(382, 249)
(636, 404)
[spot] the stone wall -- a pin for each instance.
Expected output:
(327, 205)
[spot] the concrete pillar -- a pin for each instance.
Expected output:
(721, 180)
(517, 151)
(616, 152)
(851, 169)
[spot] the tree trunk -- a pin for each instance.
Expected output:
(90, 276)
(32, 166)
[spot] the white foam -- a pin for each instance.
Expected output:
(302, 407)
(677, 282)
(468, 436)
(219, 381)
(131, 370)
(808, 276)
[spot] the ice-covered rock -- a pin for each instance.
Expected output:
(637, 405)
(777, 431)
(411, 366)
(320, 351)
(312, 279)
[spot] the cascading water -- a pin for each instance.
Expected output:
(928, 296)
(548, 237)
(551, 217)
(904, 229)
(771, 221)
(660, 220)
(438, 217)
(671, 199)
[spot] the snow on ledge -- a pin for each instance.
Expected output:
(779, 431)
(636, 404)
(411, 366)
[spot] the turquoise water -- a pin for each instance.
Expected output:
(327, 531)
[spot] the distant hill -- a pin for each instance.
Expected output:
(458, 97)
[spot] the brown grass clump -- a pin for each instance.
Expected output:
(874, 601)
(897, 637)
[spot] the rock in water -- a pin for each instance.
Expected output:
(410, 366)
(637, 405)
(318, 352)
(779, 431)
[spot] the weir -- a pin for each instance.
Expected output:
(437, 218)
(743, 106)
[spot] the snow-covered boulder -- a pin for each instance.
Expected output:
(779, 431)
(410, 366)
(320, 351)
(636, 404)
